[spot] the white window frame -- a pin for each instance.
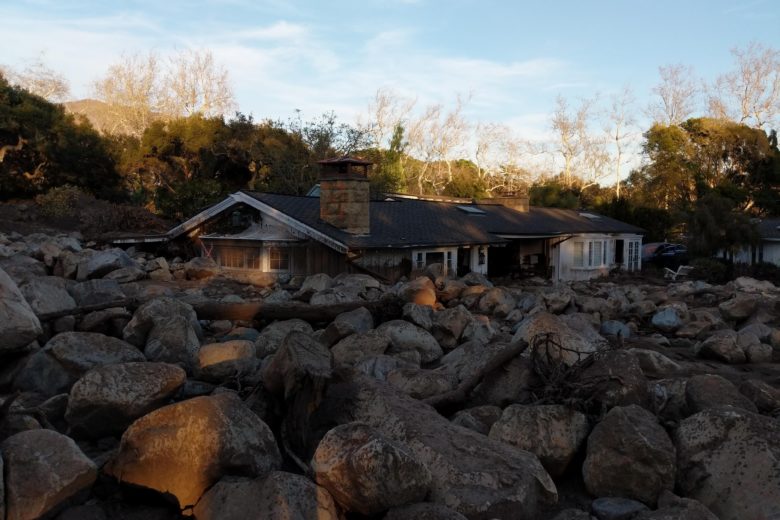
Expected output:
(590, 253)
(282, 249)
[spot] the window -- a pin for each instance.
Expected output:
(481, 256)
(579, 254)
(450, 265)
(278, 259)
(633, 256)
(420, 264)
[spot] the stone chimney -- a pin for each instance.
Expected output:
(344, 194)
(517, 201)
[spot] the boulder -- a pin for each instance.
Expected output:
(353, 349)
(220, 362)
(126, 275)
(405, 336)
(669, 319)
(346, 323)
(44, 470)
(615, 328)
(105, 320)
(182, 449)
(270, 338)
(420, 383)
(366, 472)
(300, 357)
(48, 294)
(478, 418)
(574, 514)
(21, 268)
(420, 315)
(672, 507)
(199, 268)
(722, 346)
(764, 396)
(19, 325)
(107, 399)
(512, 383)
(619, 377)
(758, 353)
(449, 325)
(473, 278)
(378, 367)
(655, 364)
(629, 455)
(729, 460)
(100, 263)
(278, 495)
(476, 476)
(553, 433)
(471, 295)
(616, 508)
(576, 343)
(497, 301)
(420, 291)
(746, 284)
(450, 290)
(96, 292)
(67, 356)
(558, 300)
(710, 391)
(313, 284)
(739, 308)
(423, 511)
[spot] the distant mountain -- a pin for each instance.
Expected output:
(95, 111)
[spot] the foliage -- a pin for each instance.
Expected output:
(554, 195)
(60, 202)
(46, 147)
(717, 226)
(711, 270)
(184, 198)
(465, 181)
(657, 222)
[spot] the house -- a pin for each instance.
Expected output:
(342, 230)
(768, 247)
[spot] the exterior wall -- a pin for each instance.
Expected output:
(389, 264)
(479, 259)
(423, 257)
(344, 203)
(767, 251)
(572, 261)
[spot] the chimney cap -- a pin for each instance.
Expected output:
(346, 159)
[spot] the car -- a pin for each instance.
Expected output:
(665, 254)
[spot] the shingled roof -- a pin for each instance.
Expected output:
(402, 223)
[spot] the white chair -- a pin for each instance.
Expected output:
(681, 272)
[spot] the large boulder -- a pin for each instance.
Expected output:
(420, 291)
(44, 470)
(764, 396)
(107, 399)
(100, 263)
(569, 345)
(357, 347)
(200, 267)
(478, 477)
(220, 362)
(366, 472)
(346, 323)
(420, 383)
(479, 418)
(423, 511)
(67, 356)
(449, 325)
(300, 358)
(629, 455)
(97, 292)
(739, 308)
(48, 294)
(711, 391)
(279, 495)
(19, 325)
(616, 378)
(553, 433)
(182, 449)
(271, 337)
(167, 330)
(729, 460)
(405, 336)
(497, 301)
(313, 284)
(722, 346)
(669, 319)
(672, 507)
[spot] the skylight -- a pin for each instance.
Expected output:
(471, 210)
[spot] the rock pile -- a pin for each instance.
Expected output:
(127, 393)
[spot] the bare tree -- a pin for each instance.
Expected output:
(139, 89)
(195, 83)
(40, 80)
(571, 131)
(677, 95)
(385, 113)
(620, 121)
(131, 91)
(751, 92)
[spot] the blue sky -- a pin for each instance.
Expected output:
(514, 58)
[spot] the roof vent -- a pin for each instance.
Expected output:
(590, 216)
(471, 210)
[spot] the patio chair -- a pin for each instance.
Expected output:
(681, 272)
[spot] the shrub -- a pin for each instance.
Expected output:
(712, 270)
(61, 202)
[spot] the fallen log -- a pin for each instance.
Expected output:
(208, 310)
(86, 309)
(454, 398)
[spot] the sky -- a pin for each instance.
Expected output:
(510, 58)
